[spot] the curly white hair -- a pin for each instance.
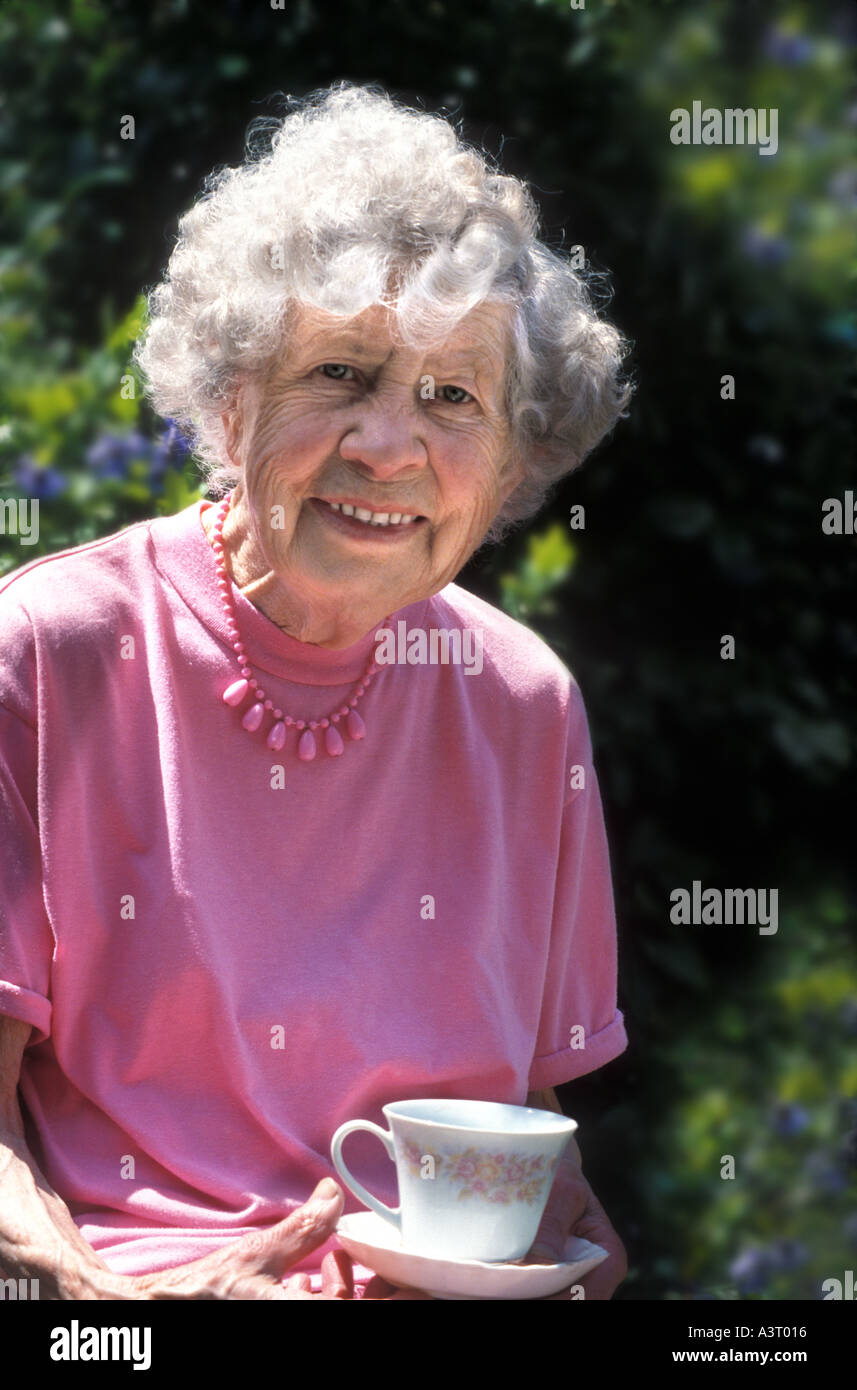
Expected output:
(353, 194)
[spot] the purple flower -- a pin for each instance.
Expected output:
(764, 247)
(829, 1177)
(790, 1119)
(41, 483)
(792, 50)
(787, 1255)
(843, 187)
(112, 454)
(170, 451)
(752, 1269)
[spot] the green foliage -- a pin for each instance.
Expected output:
(772, 1082)
(58, 419)
(546, 565)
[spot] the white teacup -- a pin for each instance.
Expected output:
(474, 1176)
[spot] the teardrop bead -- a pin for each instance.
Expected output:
(277, 736)
(236, 692)
(332, 742)
(306, 746)
(356, 727)
(253, 718)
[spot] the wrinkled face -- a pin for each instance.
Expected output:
(380, 466)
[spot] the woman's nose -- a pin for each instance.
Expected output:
(386, 436)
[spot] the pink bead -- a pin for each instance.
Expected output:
(344, 709)
(333, 743)
(301, 724)
(269, 704)
(235, 693)
(289, 719)
(335, 718)
(361, 690)
(253, 683)
(277, 736)
(306, 747)
(253, 718)
(356, 727)
(278, 714)
(324, 723)
(313, 723)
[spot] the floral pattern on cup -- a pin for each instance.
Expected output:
(493, 1177)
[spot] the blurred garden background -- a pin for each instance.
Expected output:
(702, 514)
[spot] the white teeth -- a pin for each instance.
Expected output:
(373, 518)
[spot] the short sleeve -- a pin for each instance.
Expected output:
(26, 939)
(580, 1027)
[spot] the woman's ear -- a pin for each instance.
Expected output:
(512, 474)
(232, 422)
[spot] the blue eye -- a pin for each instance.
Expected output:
(461, 396)
(335, 370)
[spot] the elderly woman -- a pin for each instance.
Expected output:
(277, 848)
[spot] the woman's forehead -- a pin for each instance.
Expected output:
(481, 337)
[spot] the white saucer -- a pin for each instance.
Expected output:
(376, 1244)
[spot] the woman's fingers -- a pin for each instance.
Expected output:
(337, 1275)
(276, 1249)
(566, 1207)
(379, 1288)
(298, 1286)
(299, 1283)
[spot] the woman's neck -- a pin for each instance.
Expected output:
(337, 628)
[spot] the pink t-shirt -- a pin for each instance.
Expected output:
(226, 952)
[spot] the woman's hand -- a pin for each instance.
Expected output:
(574, 1210)
(253, 1267)
(337, 1281)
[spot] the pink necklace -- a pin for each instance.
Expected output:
(235, 693)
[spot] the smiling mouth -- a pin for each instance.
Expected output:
(372, 520)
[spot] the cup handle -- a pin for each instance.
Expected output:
(391, 1214)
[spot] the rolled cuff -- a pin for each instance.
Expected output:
(571, 1062)
(27, 1007)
